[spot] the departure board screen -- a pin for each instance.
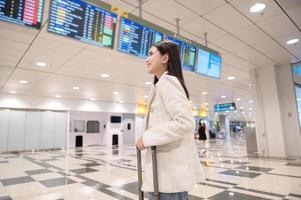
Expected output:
(187, 53)
(208, 64)
(135, 38)
(83, 21)
(24, 12)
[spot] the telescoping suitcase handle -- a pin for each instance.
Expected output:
(155, 174)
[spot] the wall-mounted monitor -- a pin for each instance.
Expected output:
(135, 38)
(224, 107)
(24, 12)
(83, 21)
(187, 53)
(208, 64)
(115, 119)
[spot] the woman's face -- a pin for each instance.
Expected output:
(155, 62)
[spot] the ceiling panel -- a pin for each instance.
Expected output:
(278, 26)
(158, 7)
(199, 26)
(232, 21)
(251, 35)
(295, 14)
(203, 7)
(270, 10)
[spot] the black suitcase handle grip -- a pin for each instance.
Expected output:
(155, 174)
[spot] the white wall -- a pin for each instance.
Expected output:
(289, 113)
(269, 130)
(46, 103)
(88, 138)
(32, 130)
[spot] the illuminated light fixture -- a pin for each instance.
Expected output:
(204, 93)
(241, 107)
(92, 99)
(145, 96)
(238, 99)
(231, 78)
(250, 108)
(250, 101)
(250, 85)
(76, 88)
(105, 75)
(257, 7)
(206, 103)
(292, 41)
(121, 101)
(231, 193)
(12, 92)
(57, 96)
(115, 92)
(41, 64)
(223, 97)
(23, 81)
(148, 83)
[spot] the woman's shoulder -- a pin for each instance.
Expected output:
(169, 81)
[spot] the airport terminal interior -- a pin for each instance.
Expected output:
(74, 95)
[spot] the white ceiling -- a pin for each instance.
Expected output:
(246, 40)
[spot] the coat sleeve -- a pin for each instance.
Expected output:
(177, 107)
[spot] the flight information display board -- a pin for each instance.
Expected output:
(187, 53)
(24, 12)
(224, 107)
(208, 64)
(135, 38)
(83, 21)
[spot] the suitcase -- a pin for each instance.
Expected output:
(155, 174)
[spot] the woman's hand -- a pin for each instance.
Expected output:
(140, 144)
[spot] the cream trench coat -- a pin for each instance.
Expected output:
(169, 125)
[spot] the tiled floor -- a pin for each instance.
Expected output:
(103, 173)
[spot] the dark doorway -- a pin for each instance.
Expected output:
(79, 141)
(115, 140)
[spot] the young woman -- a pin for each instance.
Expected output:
(169, 125)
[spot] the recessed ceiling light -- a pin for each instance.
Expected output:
(250, 108)
(223, 97)
(206, 103)
(76, 88)
(115, 92)
(250, 85)
(238, 99)
(257, 7)
(41, 64)
(105, 75)
(92, 99)
(12, 92)
(23, 81)
(121, 101)
(148, 83)
(241, 107)
(250, 101)
(204, 93)
(231, 78)
(145, 96)
(207, 108)
(57, 96)
(292, 41)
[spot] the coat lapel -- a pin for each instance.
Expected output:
(150, 100)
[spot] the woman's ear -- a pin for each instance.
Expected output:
(165, 58)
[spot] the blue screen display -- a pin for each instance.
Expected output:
(83, 21)
(187, 53)
(208, 64)
(297, 69)
(24, 12)
(224, 107)
(135, 38)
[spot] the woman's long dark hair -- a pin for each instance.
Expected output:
(174, 62)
